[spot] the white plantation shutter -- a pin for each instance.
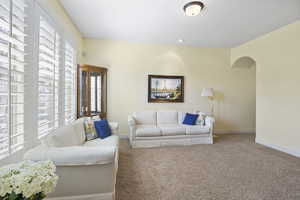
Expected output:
(70, 81)
(48, 78)
(12, 24)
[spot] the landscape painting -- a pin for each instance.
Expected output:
(165, 89)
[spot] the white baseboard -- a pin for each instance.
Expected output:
(103, 196)
(278, 148)
(245, 131)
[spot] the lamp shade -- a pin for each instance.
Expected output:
(207, 92)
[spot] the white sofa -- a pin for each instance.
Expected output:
(86, 169)
(163, 128)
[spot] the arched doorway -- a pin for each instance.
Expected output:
(244, 62)
(248, 66)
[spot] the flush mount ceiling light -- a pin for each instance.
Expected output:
(193, 8)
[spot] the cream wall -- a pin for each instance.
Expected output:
(130, 63)
(277, 57)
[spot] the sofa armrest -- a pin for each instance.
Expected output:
(132, 128)
(131, 121)
(114, 127)
(73, 156)
(209, 121)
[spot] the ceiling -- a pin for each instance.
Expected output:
(223, 23)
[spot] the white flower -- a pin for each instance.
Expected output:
(28, 178)
(5, 186)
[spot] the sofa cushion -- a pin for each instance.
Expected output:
(196, 129)
(147, 131)
(145, 117)
(62, 137)
(72, 156)
(181, 116)
(167, 117)
(109, 141)
(79, 130)
(170, 130)
(168, 137)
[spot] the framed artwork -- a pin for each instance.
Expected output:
(165, 89)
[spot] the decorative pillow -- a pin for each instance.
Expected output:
(61, 137)
(103, 128)
(190, 119)
(89, 128)
(201, 119)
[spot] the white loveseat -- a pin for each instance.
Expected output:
(86, 169)
(163, 128)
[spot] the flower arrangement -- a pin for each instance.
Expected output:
(27, 180)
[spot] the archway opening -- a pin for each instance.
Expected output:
(244, 62)
(247, 66)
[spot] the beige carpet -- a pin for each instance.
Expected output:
(235, 168)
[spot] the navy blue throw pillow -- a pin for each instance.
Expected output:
(103, 129)
(190, 119)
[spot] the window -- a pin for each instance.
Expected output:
(37, 76)
(48, 78)
(12, 36)
(95, 92)
(70, 80)
(92, 99)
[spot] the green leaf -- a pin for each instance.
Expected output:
(13, 196)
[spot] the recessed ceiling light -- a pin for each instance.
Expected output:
(180, 40)
(193, 8)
